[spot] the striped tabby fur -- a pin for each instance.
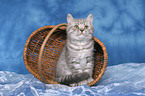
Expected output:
(75, 64)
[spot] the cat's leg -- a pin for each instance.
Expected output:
(89, 69)
(90, 79)
(81, 79)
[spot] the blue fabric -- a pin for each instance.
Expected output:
(120, 80)
(119, 24)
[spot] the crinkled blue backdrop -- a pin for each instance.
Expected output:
(119, 24)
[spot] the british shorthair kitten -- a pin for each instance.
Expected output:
(75, 64)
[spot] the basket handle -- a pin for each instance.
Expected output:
(42, 49)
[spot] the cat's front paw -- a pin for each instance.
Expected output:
(73, 85)
(90, 80)
(82, 83)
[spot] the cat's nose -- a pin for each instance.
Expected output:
(81, 30)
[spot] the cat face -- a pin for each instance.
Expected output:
(80, 29)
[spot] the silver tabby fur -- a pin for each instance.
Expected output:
(77, 54)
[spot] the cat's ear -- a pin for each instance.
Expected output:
(90, 18)
(69, 18)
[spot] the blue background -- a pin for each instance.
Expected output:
(119, 24)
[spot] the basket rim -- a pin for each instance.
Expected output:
(104, 62)
(42, 50)
(38, 76)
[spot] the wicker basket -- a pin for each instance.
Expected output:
(43, 48)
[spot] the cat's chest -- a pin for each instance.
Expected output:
(81, 54)
(80, 46)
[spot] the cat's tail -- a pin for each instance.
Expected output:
(73, 78)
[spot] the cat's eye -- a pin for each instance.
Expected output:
(86, 27)
(76, 27)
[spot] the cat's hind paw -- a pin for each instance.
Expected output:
(73, 84)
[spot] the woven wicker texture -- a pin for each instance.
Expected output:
(43, 48)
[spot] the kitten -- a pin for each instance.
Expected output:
(75, 64)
